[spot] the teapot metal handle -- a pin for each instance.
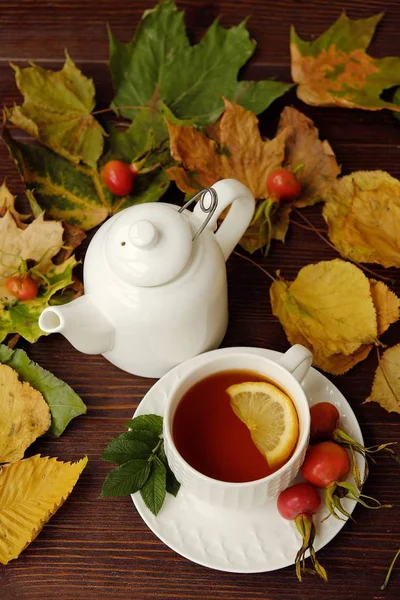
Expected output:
(209, 209)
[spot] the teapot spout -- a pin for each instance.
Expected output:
(82, 323)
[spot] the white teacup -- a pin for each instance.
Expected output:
(288, 372)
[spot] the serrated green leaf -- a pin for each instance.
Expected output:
(335, 70)
(153, 423)
(63, 402)
(195, 81)
(57, 111)
(126, 479)
(147, 134)
(150, 438)
(258, 95)
(73, 193)
(172, 484)
(153, 491)
(124, 448)
(159, 68)
(137, 67)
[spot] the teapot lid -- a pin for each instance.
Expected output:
(148, 244)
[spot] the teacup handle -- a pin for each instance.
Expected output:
(297, 360)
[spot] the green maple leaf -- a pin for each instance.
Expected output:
(57, 111)
(161, 70)
(76, 194)
(335, 69)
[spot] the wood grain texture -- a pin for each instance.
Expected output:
(96, 549)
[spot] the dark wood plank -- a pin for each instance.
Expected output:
(101, 549)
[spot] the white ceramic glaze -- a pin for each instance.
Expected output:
(240, 541)
(153, 298)
(251, 493)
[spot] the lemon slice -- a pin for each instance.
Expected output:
(270, 416)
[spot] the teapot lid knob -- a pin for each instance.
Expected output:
(143, 234)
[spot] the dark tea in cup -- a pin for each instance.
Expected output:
(211, 437)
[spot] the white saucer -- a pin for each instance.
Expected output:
(228, 540)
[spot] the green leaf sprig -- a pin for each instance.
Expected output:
(142, 463)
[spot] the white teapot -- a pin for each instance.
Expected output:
(155, 282)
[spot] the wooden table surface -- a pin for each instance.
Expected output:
(100, 549)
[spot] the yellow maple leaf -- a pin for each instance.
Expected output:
(335, 69)
(386, 386)
(24, 415)
(363, 217)
(31, 491)
(303, 147)
(232, 147)
(329, 305)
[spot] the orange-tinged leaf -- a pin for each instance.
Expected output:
(232, 147)
(24, 415)
(312, 307)
(363, 217)
(303, 147)
(386, 387)
(335, 69)
(31, 491)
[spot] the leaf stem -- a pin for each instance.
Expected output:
(252, 262)
(323, 238)
(109, 109)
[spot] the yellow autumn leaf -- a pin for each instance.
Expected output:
(363, 217)
(335, 69)
(303, 147)
(24, 415)
(31, 491)
(386, 387)
(329, 304)
(387, 307)
(232, 147)
(386, 303)
(338, 364)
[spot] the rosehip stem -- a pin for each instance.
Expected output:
(267, 213)
(342, 438)
(298, 168)
(306, 528)
(343, 489)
